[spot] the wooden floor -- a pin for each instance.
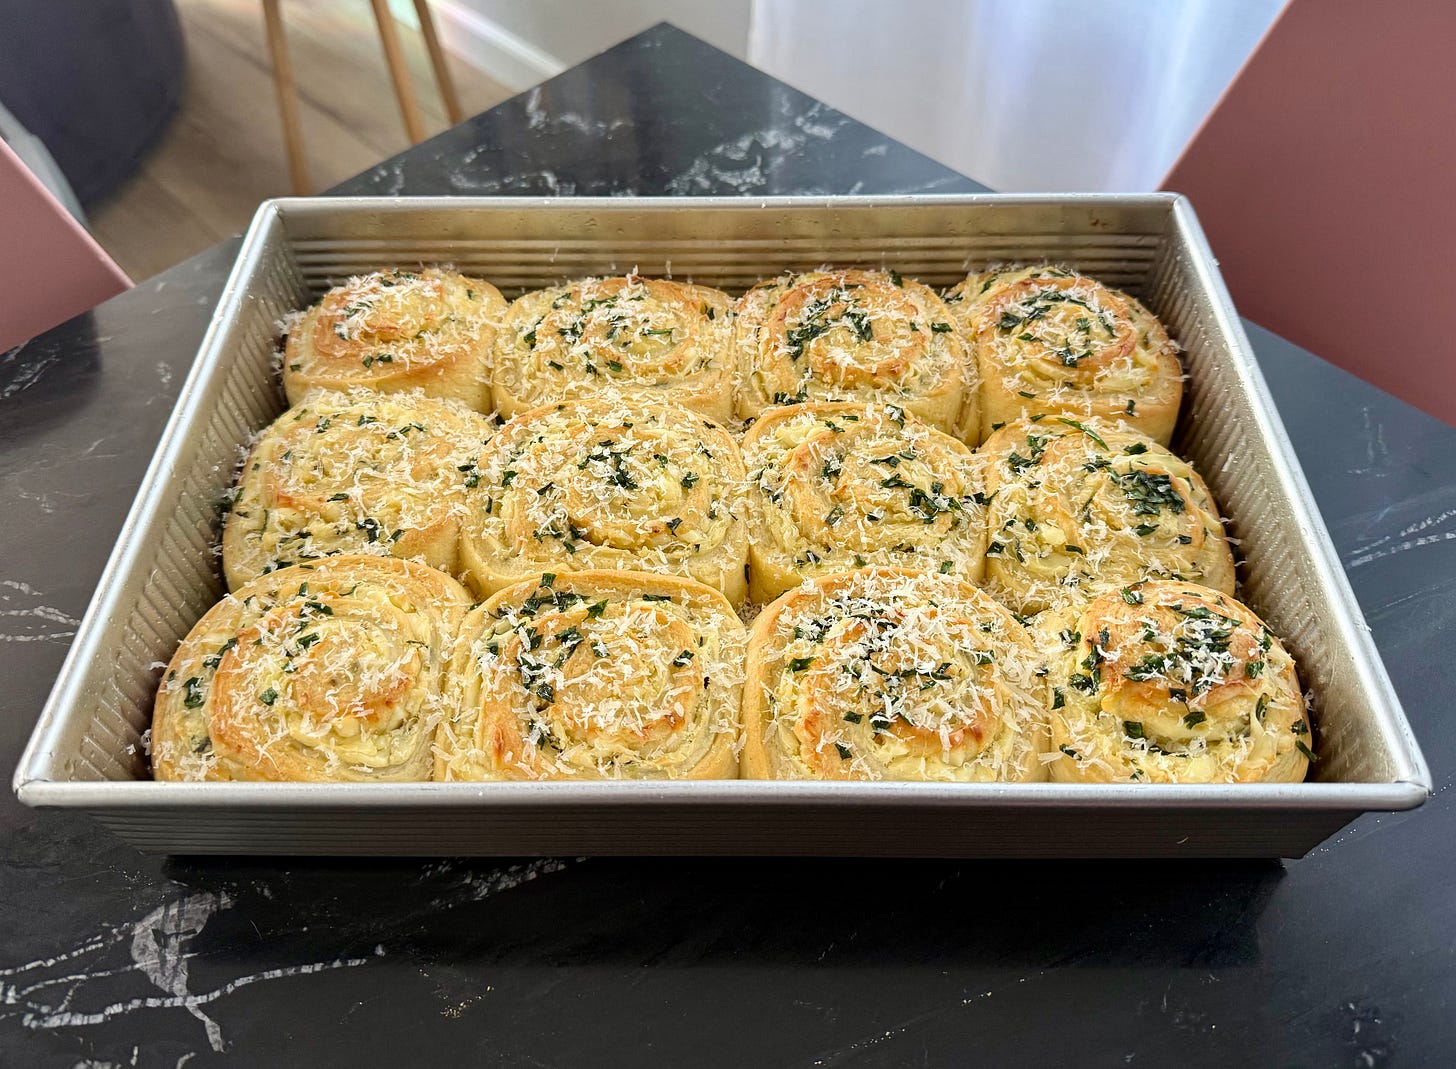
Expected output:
(224, 151)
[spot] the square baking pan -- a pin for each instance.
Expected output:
(87, 752)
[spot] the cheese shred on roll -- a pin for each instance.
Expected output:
(391, 331)
(889, 674)
(1167, 682)
(649, 338)
(855, 336)
(1049, 342)
(1079, 508)
(596, 484)
(596, 675)
(833, 487)
(326, 672)
(355, 473)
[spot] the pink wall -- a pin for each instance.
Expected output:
(1326, 180)
(50, 268)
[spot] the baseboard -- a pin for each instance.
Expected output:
(485, 44)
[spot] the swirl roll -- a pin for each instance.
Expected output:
(355, 473)
(602, 484)
(1049, 342)
(890, 674)
(327, 672)
(1169, 682)
(596, 675)
(855, 336)
(393, 331)
(645, 337)
(1078, 509)
(833, 487)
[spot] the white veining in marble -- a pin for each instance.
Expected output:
(33, 622)
(736, 164)
(1377, 453)
(478, 886)
(537, 117)
(535, 113)
(1407, 538)
(94, 985)
(39, 357)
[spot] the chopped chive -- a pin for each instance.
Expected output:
(1081, 427)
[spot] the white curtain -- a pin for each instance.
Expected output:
(1023, 95)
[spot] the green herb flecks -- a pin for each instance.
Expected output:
(1150, 492)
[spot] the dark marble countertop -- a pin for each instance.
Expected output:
(111, 958)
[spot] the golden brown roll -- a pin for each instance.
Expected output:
(597, 484)
(596, 675)
(355, 473)
(325, 672)
(393, 331)
(886, 673)
(855, 336)
(648, 338)
(1049, 342)
(838, 486)
(1169, 682)
(1078, 509)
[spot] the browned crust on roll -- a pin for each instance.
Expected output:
(1050, 342)
(1081, 507)
(649, 338)
(596, 675)
(609, 483)
(1170, 682)
(324, 673)
(838, 486)
(886, 673)
(393, 331)
(855, 336)
(389, 475)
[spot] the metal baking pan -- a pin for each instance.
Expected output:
(86, 751)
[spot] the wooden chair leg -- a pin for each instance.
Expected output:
(394, 55)
(287, 97)
(437, 60)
